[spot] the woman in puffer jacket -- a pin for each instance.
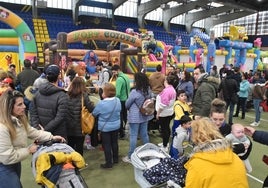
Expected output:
(75, 92)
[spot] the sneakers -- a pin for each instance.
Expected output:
(126, 159)
(161, 145)
(165, 149)
(255, 124)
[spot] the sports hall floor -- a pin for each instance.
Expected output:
(122, 174)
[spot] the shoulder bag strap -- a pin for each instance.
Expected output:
(125, 84)
(142, 103)
(180, 106)
(82, 100)
(109, 116)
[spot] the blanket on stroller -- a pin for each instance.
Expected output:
(167, 169)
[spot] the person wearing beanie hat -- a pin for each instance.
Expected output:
(181, 137)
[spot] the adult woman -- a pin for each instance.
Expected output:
(186, 84)
(108, 113)
(14, 134)
(257, 96)
(212, 157)
(218, 116)
(77, 92)
(138, 123)
(243, 95)
(164, 108)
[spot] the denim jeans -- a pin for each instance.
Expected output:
(10, 176)
(136, 129)
(256, 104)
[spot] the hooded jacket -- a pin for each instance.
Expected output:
(205, 93)
(49, 109)
(229, 88)
(156, 81)
(214, 165)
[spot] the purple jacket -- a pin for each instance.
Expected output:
(133, 104)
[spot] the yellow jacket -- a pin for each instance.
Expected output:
(215, 168)
(180, 108)
(43, 164)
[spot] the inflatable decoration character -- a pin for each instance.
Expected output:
(8, 58)
(90, 60)
(237, 33)
(257, 43)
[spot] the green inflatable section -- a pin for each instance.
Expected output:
(27, 38)
(8, 33)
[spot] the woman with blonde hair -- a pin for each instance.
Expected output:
(212, 157)
(14, 133)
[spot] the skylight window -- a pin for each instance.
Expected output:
(213, 4)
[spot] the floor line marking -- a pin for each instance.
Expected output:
(254, 178)
(252, 117)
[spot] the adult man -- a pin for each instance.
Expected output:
(229, 88)
(122, 91)
(207, 88)
(103, 77)
(49, 107)
(26, 77)
(157, 80)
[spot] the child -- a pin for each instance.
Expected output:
(238, 136)
(181, 135)
(180, 108)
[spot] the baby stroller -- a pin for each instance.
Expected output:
(57, 165)
(153, 167)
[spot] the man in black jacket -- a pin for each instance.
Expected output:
(229, 88)
(26, 77)
(49, 106)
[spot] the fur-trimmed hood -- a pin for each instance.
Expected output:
(205, 77)
(217, 151)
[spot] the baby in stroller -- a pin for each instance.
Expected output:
(57, 165)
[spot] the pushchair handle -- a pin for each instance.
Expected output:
(48, 142)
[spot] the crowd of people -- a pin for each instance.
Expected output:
(196, 106)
